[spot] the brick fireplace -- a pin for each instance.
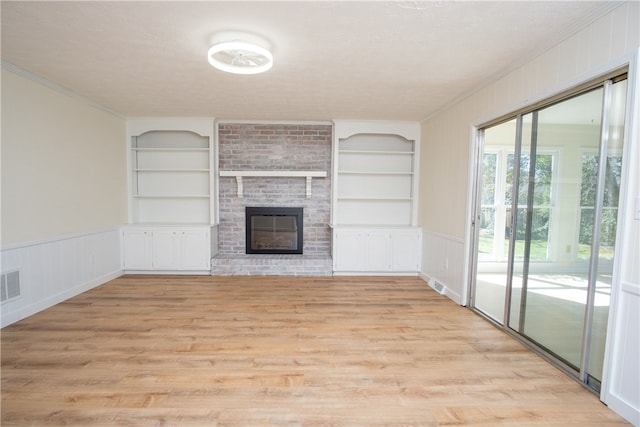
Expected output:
(274, 147)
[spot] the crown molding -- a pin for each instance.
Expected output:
(56, 87)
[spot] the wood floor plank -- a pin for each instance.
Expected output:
(274, 351)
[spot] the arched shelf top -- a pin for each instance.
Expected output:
(200, 126)
(344, 129)
(374, 142)
(374, 135)
(175, 132)
(169, 139)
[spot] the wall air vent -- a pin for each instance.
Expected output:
(10, 285)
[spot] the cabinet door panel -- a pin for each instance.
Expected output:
(348, 250)
(136, 247)
(405, 248)
(378, 253)
(165, 250)
(195, 250)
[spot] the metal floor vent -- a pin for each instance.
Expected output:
(439, 287)
(10, 285)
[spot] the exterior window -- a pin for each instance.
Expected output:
(609, 207)
(497, 187)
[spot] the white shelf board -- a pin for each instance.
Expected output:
(373, 173)
(170, 149)
(378, 199)
(170, 196)
(377, 152)
(171, 170)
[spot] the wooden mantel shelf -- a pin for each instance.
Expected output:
(309, 175)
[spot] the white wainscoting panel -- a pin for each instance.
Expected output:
(443, 260)
(624, 384)
(54, 270)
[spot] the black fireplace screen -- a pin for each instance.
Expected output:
(274, 230)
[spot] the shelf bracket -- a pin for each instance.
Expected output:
(240, 187)
(309, 187)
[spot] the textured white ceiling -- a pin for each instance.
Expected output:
(395, 60)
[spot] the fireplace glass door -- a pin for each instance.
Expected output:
(274, 230)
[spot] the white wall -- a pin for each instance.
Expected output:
(63, 193)
(63, 163)
(609, 42)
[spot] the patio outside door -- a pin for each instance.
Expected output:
(545, 226)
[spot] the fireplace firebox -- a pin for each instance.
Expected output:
(274, 230)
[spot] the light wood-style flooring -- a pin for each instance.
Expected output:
(277, 351)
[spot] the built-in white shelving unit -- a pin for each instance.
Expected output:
(170, 177)
(374, 209)
(171, 194)
(375, 171)
(375, 174)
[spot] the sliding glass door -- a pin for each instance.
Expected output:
(545, 224)
(492, 219)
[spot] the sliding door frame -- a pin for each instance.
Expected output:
(605, 81)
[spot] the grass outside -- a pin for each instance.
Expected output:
(538, 250)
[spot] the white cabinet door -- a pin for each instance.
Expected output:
(136, 249)
(195, 249)
(378, 251)
(405, 249)
(348, 250)
(166, 249)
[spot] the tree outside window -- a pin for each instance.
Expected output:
(588, 190)
(497, 199)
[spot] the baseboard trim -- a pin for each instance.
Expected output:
(373, 273)
(24, 312)
(170, 272)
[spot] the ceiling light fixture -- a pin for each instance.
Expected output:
(240, 57)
